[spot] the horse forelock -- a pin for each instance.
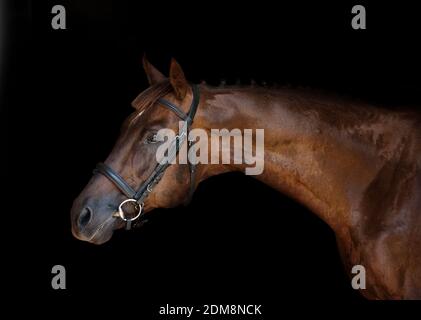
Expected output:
(148, 98)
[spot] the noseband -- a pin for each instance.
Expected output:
(136, 197)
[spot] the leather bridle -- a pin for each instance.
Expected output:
(136, 197)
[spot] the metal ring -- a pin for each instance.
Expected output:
(121, 212)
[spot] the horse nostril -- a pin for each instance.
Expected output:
(85, 216)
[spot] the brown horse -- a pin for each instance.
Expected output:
(358, 167)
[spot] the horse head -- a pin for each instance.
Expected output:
(113, 197)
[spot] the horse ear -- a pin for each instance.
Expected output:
(178, 80)
(154, 76)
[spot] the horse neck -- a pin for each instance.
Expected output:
(322, 151)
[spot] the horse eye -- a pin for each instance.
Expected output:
(152, 138)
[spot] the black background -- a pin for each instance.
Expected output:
(238, 241)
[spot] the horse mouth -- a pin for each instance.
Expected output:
(101, 234)
(101, 238)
